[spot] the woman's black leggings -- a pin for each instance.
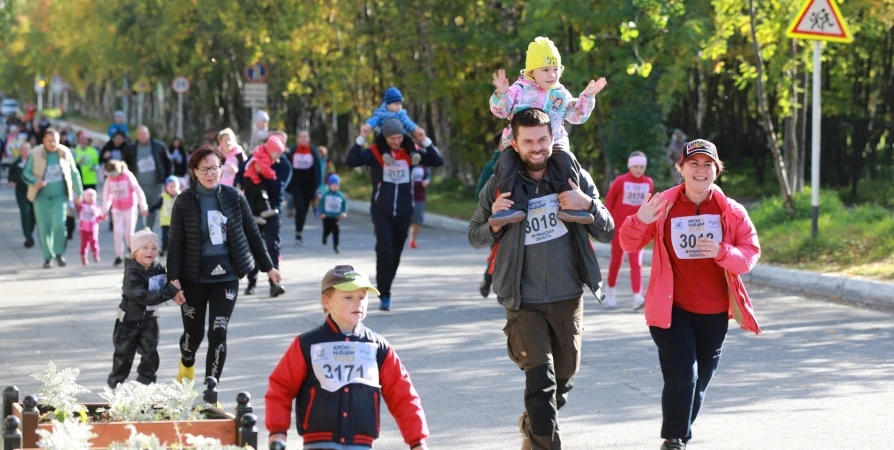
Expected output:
(218, 299)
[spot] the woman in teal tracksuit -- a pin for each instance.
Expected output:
(53, 180)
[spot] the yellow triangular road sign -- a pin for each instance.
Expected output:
(820, 20)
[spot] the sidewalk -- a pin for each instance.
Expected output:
(874, 294)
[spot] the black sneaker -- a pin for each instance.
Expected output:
(673, 444)
(335, 249)
(48, 264)
(324, 240)
(118, 261)
(252, 287)
(574, 216)
(29, 242)
(60, 261)
(484, 288)
(506, 217)
(298, 240)
(276, 290)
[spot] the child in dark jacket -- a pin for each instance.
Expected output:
(338, 373)
(136, 329)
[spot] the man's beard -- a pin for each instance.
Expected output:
(535, 167)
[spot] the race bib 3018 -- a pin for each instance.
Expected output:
(337, 364)
(686, 230)
(542, 223)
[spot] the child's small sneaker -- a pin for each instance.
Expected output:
(506, 217)
(260, 220)
(299, 240)
(388, 159)
(413, 244)
(335, 249)
(610, 299)
(269, 213)
(416, 158)
(574, 216)
(118, 261)
(60, 261)
(48, 264)
(638, 301)
(96, 258)
(84, 260)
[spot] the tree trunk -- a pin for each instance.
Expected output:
(767, 121)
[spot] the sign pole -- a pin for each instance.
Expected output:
(140, 98)
(815, 140)
(180, 116)
(125, 100)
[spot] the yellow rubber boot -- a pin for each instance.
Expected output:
(186, 372)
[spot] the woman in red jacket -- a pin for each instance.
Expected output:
(704, 241)
(625, 195)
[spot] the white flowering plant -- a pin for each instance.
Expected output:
(138, 441)
(136, 402)
(59, 391)
(66, 435)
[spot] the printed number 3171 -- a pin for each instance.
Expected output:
(342, 373)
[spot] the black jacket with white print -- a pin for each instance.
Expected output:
(144, 289)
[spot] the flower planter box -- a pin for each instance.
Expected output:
(238, 429)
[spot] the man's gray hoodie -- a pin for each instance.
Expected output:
(511, 250)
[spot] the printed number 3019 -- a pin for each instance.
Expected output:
(689, 240)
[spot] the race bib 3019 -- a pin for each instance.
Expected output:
(686, 230)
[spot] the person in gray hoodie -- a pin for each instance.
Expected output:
(540, 267)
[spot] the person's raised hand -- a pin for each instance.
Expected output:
(651, 208)
(501, 83)
(595, 86)
(365, 130)
(419, 134)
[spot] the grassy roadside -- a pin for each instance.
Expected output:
(856, 241)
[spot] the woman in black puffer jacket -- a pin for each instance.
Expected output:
(213, 243)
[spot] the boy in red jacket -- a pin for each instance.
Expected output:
(625, 195)
(337, 374)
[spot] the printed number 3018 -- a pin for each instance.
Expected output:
(534, 225)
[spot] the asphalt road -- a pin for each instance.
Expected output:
(821, 375)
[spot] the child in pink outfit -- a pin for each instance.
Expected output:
(89, 216)
(258, 169)
(123, 194)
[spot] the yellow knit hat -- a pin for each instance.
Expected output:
(542, 52)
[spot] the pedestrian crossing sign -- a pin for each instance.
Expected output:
(820, 20)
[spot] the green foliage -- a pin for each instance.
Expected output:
(855, 240)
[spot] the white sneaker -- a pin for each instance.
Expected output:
(610, 300)
(638, 302)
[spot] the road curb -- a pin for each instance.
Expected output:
(857, 291)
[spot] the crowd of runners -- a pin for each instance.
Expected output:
(212, 213)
